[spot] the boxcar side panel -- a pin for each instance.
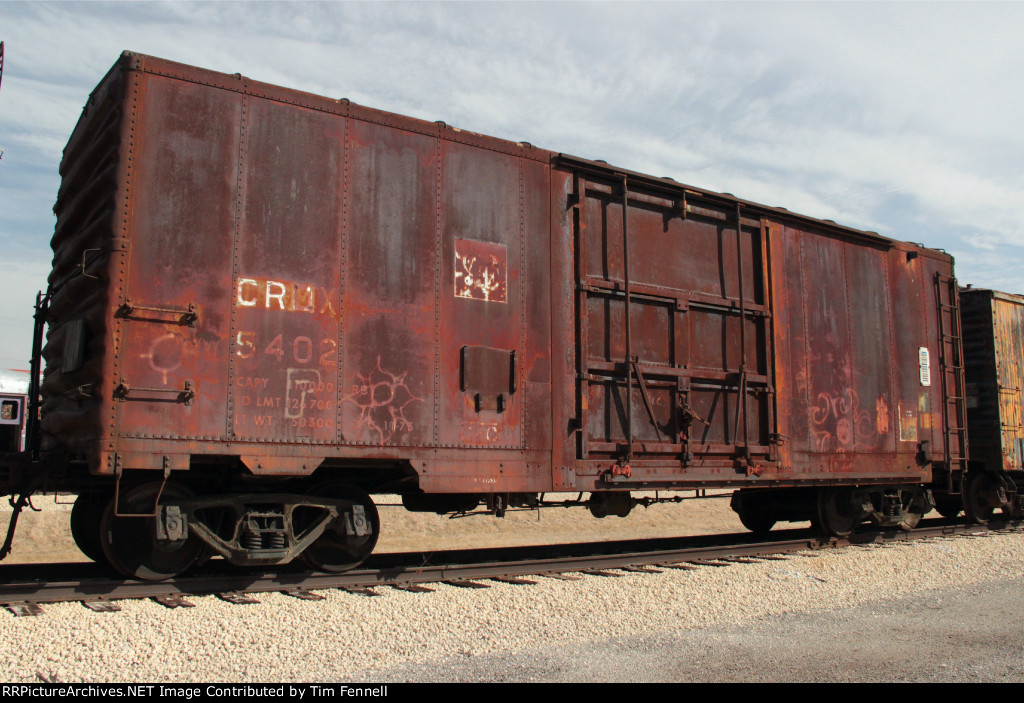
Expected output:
(305, 278)
(870, 339)
(789, 324)
(388, 350)
(480, 285)
(537, 295)
(823, 299)
(286, 268)
(1009, 333)
(174, 324)
(849, 357)
(917, 398)
(566, 399)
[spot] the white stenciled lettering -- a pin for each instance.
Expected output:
(280, 294)
(305, 299)
(276, 291)
(243, 300)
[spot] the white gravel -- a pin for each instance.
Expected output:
(347, 637)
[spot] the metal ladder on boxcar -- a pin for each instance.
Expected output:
(951, 364)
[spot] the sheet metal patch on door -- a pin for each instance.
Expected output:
(480, 270)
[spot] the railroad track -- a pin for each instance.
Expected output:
(24, 587)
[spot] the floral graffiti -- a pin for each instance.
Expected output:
(480, 270)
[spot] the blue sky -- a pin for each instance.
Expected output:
(900, 118)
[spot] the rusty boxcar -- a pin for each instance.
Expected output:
(993, 343)
(267, 304)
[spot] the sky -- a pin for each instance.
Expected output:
(899, 118)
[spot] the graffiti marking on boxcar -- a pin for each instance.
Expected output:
(289, 296)
(479, 433)
(165, 354)
(480, 270)
(839, 416)
(382, 398)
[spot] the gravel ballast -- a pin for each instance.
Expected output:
(470, 634)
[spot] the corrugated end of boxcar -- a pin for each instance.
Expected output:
(88, 243)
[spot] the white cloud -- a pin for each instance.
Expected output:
(22, 280)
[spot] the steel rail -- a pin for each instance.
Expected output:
(19, 588)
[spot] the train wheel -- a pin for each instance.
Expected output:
(948, 506)
(758, 523)
(757, 520)
(836, 514)
(334, 550)
(86, 514)
(130, 544)
(976, 505)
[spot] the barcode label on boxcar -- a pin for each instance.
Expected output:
(926, 368)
